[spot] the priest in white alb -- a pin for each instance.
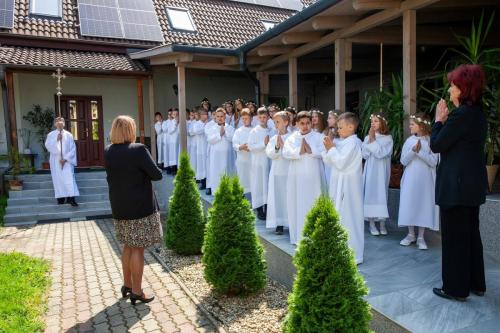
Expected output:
(62, 149)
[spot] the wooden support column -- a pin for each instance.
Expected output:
(152, 118)
(263, 78)
(409, 67)
(340, 68)
(140, 109)
(181, 84)
(9, 82)
(293, 98)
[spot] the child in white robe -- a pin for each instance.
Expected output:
(164, 128)
(211, 122)
(417, 207)
(377, 151)
(201, 147)
(219, 137)
(291, 114)
(240, 145)
(253, 110)
(331, 132)
(346, 182)
(159, 138)
(273, 109)
(173, 141)
(257, 142)
(231, 119)
(191, 144)
(277, 206)
(318, 122)
(306, 173)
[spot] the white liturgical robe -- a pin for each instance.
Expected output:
(346, 189)
(63, 178)
(306, 179)
(219, 152)
(243, 160)
(260, 165)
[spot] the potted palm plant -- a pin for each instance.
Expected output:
(18, 165)
(42, 120)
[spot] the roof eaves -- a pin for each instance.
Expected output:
(165, 49)
(282, 27)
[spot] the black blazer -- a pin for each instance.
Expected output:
(130, 170)
(461, 175)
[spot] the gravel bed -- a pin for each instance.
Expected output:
(261, 312)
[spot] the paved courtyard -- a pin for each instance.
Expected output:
(86, 280)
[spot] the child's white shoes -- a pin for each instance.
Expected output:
(383, 230)
(373, 229)
(421, 244)
(408, 240)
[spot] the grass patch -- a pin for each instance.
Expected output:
(24, 283)
(3, 205)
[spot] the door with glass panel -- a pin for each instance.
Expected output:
(83, 115)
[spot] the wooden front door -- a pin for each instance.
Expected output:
(83, 115)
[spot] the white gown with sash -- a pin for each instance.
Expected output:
(63, 178)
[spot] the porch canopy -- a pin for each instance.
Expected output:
(327, 23)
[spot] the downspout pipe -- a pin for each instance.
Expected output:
(244, 69)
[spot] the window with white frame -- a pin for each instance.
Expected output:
(46, 7)
(180, 19)
(268, 25)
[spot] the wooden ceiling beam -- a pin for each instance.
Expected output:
(375, 4)
(256, 60)
(362, 25)
(292, 38)
(273, 50)
(332, 22)
(171, 59)
(206, 65)
(231, 61)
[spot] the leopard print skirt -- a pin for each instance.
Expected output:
(144, 232)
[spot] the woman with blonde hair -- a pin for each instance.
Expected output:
(130, 170)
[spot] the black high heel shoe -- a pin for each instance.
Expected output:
(134, 298)
(126, 291)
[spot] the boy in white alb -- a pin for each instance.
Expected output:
(201, 146)
(277, 206)
(346, 182)
(219, 137)
(417, 206)
(240, 145)
(211, 122)
(377, 151)
(159, 139)
(164, 128)
(306, 173)
(173, 141)
(257, 142)
(191, 144)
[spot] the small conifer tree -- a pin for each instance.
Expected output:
(328, 291)
(186, 220)
(232, 254)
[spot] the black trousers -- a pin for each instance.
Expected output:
(463, 264)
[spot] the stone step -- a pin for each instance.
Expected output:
(47, 176)
(73, 214)
(47, 184)
(54, 207)
(50, 192)
(20, 202)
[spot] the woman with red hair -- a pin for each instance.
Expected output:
(459, 136)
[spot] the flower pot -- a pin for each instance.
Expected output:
(492, 171)
(15, 185)
(46, 165)
(396, 175)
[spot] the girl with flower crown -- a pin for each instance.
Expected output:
(417, 205)
(377, 151)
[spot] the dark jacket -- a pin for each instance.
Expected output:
(461, 175)
(130, 170)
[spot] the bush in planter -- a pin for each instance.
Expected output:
(232, 254)
(328, 291)
(43, 121)
(18, 165)
(186, 220)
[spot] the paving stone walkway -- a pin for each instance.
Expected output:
(86, 280)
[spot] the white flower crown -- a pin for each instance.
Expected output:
(420, 120)
(378, 116)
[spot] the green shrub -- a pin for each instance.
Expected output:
(232, 254)
(328, 291)
(186, 220)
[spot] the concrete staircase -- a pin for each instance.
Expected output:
(36, 203)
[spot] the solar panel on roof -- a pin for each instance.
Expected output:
(6, 14)
(124, 19)
(285, 4)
